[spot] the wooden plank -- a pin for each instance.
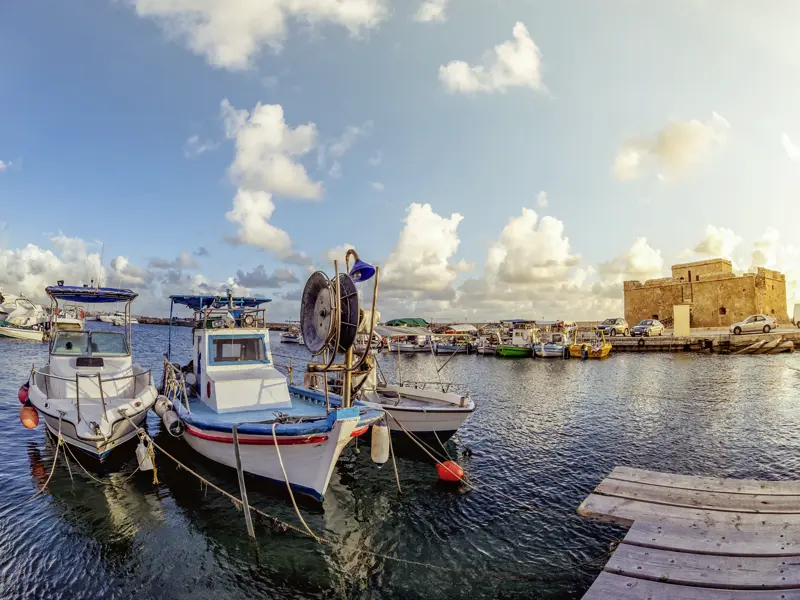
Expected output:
(723, 541)
(708, 484)
(721, 501)
(617, 587)
(707, 570)
(623, 511)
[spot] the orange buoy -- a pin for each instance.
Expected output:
(29, 417)
(22, 393)
(450, 471)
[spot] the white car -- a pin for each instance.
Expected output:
(755, 324)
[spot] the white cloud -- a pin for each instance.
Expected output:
(266, 149)
(251, 211)
(338, 147)
(378, 186)
(677, 147)
(4, 165)
(431, 10)
(718, 242)
(514, 63)
(421, 260)
(542, 200)
(259, 278)
(375, 159)
(336, 253)
(184, 260)
(194, 147)
(336, 170)
(792, 151)
(230, 33)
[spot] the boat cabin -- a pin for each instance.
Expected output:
(231, 356)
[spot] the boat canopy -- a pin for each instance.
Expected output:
(516, 321)
(198, 302)
(389, 331)
(408, 322)
(91, 295)
(461, 328)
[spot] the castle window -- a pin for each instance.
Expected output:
(723, 310)
(655, 317)
(697, 277)
(773, 311)
(681, 278)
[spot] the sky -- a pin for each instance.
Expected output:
(497, 158)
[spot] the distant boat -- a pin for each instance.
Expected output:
(25, 321)
(589, 343)
(488, 343)
(458, 339)
(118, 319)
(521, 344)
(419, 343)
(552, 344)
(292, 336)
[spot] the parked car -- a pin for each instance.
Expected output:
(796, 315)
(613, 327)
(648, 327)
(755, 324)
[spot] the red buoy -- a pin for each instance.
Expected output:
(22, 394)
(450, 471)
(29, 417)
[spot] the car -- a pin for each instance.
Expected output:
(755, 324)
(614, 326)
(648, 327)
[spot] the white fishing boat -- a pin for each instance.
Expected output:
(119, 319)
(68, 318)
(487, 343)
(410, 343)
(24, 321)
(292, 336)
(231, 405)
(553, 340)
(91, 390)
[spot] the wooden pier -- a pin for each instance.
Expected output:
(695, 538)
(711, 341)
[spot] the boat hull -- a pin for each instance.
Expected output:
(308, 460)
(393, 347)
(448, 349)
(515, 351)
(100, 448)
(577, 351)
(16, 333)
(550, 350)
(486, 350)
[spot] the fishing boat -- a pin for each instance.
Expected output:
(553, 340)
(487, 342)
(589, 343)
(410, 343)
(119, 319)
(91, 391)
(24, 321)
(292, 336)
(231, 405)
(521, 343)
(361, 342)
(68, 318)
(456, 339)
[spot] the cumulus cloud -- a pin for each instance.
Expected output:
(230, 33)
(421, 260)
(251, 212)
(4, 165)
(202, 251)
(718, 242)
(259, 278)
(675, 148)
(542, 200)
(267, 149)
(431, 10)
(337, 253)
(194, 147)
(514, 63)
(183, 261)
(792, 151)
(338, 147)
(378, 186)
(375, 159)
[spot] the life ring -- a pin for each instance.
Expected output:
(249, 320)
(641, 342)
(35, 328)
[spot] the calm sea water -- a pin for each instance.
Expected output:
(544, 432)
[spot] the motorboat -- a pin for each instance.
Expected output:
(119, 319)
(487, 343)
(7, 304)
(292, 336)
(456, 339)
(24, 321)
(91, 391)
(230, 400)
(68, 318)
(554, 341)
(521, 344)
(410, 343)
(589, 343)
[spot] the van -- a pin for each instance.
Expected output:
(796, 315)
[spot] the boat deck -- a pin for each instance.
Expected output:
(698, 537)
(301, 407)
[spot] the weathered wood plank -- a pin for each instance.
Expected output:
(623, 511)
(707, 570)
(723, 541)
(709, 484)
(721, 501)
(617, 587)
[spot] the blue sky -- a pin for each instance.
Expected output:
(99, 98)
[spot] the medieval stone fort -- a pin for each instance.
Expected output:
(716, 296)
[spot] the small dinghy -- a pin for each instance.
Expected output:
(231, 405)
(91, 390)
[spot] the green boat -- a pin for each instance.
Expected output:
(515, 351)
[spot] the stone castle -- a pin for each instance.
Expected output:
(716, 296)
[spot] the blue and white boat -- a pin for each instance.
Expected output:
(231, 389)
(91, 390)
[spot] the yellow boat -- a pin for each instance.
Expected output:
(589, 343)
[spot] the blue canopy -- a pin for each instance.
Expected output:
(198, 302)
(92, 295)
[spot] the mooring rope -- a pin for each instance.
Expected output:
(92, 477)
(59, 443)
(288, 485)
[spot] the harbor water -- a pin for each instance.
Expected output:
(544, 433)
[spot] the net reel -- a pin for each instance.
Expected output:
(329, 313)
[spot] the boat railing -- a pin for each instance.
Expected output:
(97, 377)
(175, 384)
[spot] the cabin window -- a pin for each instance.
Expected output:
(723, 310)
(238, 349)
(69, 343)
(108, 344)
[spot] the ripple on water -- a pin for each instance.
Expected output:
(544, 433)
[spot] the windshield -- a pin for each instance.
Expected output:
(609, 321)
(108, 344)
(68, 343)
(646, 322)
(238, 349)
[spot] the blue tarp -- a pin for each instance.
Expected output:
(91, 295)
(198, 302)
